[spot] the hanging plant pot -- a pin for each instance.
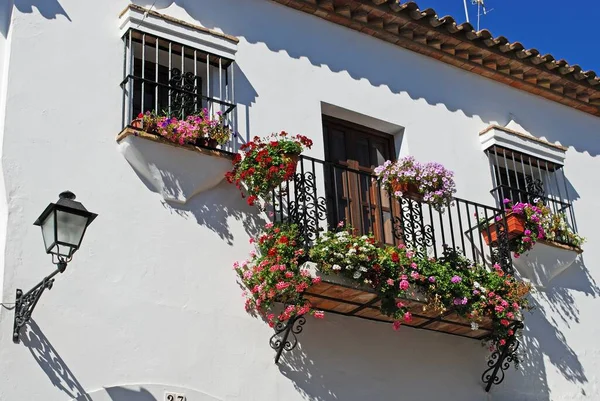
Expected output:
(515, 225)
(291, 158)
(408, 189)
(212, 143)
(546, 260)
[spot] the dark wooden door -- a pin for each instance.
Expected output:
(353, 152)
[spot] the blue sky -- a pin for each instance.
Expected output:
(564, 28)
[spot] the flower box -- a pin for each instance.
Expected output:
(515, 225)
(177, 172)
(545, 261)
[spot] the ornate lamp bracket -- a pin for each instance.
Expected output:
(25, 303)
(501, 358)
(281, 340)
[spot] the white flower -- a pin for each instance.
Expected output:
(336, 267)
(474, 326)
(476, 284)
(482, 290)
(355, 244)
(349, 267)
(338, 255)
(351, 251)
(341, 234)
(364, 237)
(362, 249)
(356, 274)
(363, 269)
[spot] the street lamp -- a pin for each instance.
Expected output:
(63, 226)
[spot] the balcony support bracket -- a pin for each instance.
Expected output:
(285, 338)
(501, 358)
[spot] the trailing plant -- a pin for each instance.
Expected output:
(265, 163)
(557, 229)
(397, 274)
(432, 180)
(273, 274)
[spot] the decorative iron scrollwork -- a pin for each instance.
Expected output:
(25, 304)
(285, 338)
(535, 189)
(502, 254)
(184, 100)
(411, 228)
(501, 359)
(306, 209)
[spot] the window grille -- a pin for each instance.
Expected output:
(172, 79)
(523, 178)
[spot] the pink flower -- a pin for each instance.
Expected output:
(397, 325)
(502, 342)
(527, 232)
(289, 274)
(407, 317)
(499, 309)
(319, 314)
(316, 280)
(404, 285)
(340, 224)
(413, 265)
(400, 305)
(269, 225)
(432, 279)
(456, 279)
(282, 285)
(414, 275)
(390, 281)
(251, 240)
(516, 255)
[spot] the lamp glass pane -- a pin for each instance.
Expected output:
(48, 231)
(70, 229)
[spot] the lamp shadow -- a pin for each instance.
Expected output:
(51, 363)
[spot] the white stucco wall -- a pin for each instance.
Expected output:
(151, 303)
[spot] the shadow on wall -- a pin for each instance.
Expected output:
(214, 208)
(51, 363)
(49, 9)
(284, 30)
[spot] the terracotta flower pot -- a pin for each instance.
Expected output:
(515, 225)
(138, 123)
(409, 190)
(291, 158)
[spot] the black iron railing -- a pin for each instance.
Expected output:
(324, 193)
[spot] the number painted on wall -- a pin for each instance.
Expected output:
(175, 397)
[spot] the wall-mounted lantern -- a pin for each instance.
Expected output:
(63, 226)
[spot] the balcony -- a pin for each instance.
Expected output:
(324, 193)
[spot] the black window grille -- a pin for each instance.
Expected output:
(172, 79)
(524, 178)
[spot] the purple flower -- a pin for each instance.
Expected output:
(432, 279)
(456, 279)
(527, 232)
(506, 201)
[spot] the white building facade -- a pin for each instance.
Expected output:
(150, 305)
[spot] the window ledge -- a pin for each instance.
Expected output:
(177, 172)
(545, 261)
(495, 135)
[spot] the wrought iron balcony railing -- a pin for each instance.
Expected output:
(324, 193)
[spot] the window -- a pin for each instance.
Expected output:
(173, 79)
(351, 153)
(525, 178)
